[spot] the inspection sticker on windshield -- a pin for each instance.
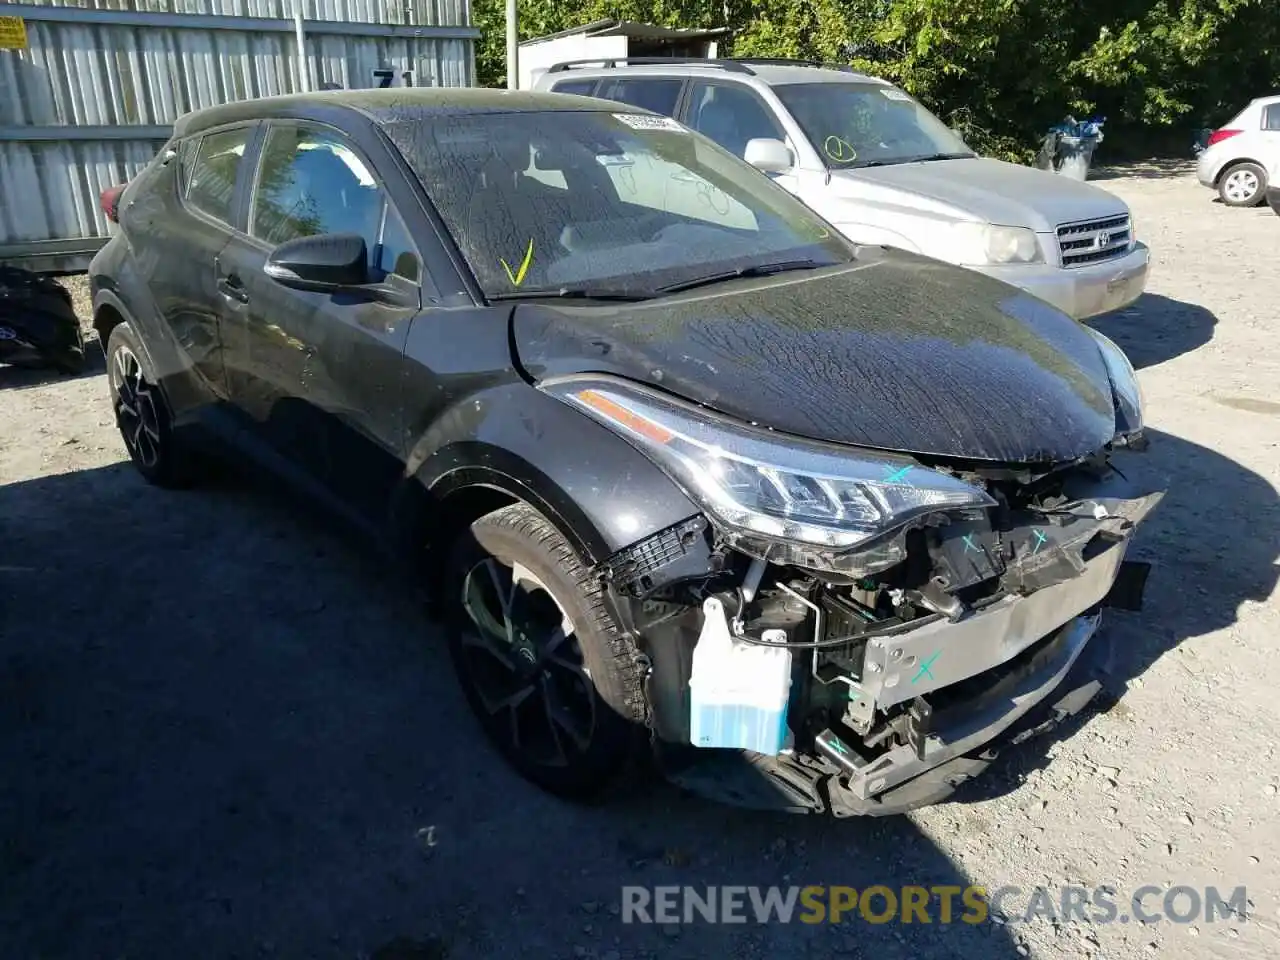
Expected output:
(638, 121)
(893, 94)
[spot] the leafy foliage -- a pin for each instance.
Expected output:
(999, 71)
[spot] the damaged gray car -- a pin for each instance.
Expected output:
(816, 526)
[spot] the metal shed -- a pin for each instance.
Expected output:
(90, 88)
(614, 39)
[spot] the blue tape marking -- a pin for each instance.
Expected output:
(924, 667)
(969, 544)
(893, 476)
(1041, 539)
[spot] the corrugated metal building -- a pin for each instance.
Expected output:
(89, 88)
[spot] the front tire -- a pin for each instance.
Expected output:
(554, 682)
(142, 414)
(1243, 185)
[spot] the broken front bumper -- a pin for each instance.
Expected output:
(1061, 679)
(967, 683)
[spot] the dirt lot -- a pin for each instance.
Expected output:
(223, 734)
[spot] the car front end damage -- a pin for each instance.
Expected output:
(913, 654)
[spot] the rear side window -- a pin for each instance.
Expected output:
(1271, 117)
(583, 88)
(213, 175)
(654, 93)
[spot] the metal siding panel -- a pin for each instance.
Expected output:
(424, 12)
(101, 74)
(53, 188)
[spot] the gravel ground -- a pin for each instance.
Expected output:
(224, 734)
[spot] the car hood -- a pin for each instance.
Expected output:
(992, 191)
(895, 352)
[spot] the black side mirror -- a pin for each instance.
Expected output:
(327, 261)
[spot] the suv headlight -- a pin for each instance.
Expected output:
(1125, 387)
(774, 485)
(985, 244)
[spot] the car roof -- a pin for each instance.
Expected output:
(389, 106)
(772, 74)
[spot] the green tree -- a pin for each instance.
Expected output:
(999, 71)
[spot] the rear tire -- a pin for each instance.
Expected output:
(143, 416)
(1243, 185)
(554, 682)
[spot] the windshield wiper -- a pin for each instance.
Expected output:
(896, 161)
(927, 158)
(574, 293)
(756, 270)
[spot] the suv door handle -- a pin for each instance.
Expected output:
(232, 289)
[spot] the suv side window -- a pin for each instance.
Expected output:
(731, 115)
(212, 182)
(1271, 116)
(396, 253)
(658, 94)
(582, 88)
(311, 182)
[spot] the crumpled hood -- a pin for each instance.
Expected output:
(992, 191)
(895, 352)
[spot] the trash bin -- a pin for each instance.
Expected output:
(1068, 148)
(1074, 156)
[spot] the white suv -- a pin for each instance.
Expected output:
(883, 169)
(1237, 157)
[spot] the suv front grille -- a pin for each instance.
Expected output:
(1093, 241)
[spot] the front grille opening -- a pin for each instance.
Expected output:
(1094, 241)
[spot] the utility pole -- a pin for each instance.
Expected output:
(513, 46)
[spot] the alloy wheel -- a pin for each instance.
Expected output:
(525, 664)
(1241, 186)
(137, 410)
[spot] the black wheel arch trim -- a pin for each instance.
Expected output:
(106, 297)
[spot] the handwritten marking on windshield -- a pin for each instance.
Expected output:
(839, 149)
(518, 276)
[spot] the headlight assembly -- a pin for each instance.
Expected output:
(984, 244)
(772, 485)
(1125, 386)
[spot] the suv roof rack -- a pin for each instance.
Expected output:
(733, 66)
(793, 62)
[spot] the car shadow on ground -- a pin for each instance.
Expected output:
(1156, 329)
(1153, 169)
(1219, 528)
(226, 732)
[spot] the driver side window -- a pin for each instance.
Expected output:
(731, 115)
(310, 182)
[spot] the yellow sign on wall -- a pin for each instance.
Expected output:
(13, 33)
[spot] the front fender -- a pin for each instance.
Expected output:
(600, 491)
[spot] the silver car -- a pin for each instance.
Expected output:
(877, 164)
(1239, 155)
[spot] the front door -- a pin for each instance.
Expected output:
(319, 375)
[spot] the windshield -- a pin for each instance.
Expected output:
(625, 204)
(868, 124)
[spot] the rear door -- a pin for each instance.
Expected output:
(1271, 139)
(319, 375)
(177, 227)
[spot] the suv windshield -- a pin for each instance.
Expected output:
(617, 204)
(868, 124)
